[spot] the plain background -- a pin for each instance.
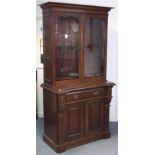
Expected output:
(136, 67)
(112, 48)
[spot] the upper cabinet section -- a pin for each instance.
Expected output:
(75, 43)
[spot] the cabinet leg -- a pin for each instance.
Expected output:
(106, 135)
(57, 148)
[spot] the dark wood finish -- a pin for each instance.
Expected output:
(76, 111)
(74, 121)
(73, 96)
(61, 7)
(93, 116)
(50, 115)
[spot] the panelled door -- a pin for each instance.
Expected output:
(83, 119)
(74, 121)
(93, 116)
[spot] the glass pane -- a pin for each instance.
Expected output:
(93, 47)
(67, 47)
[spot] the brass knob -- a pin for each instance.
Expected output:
(75, 96)
(96, 93)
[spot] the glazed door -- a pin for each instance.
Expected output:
(94, 46)
(67, 45)
(74, 121)
(93, 116)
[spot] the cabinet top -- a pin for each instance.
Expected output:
(73, 87)
(74, 6)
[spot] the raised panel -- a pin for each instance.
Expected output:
(93, 116)
(74, 121)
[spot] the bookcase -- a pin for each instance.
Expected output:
(76, 92)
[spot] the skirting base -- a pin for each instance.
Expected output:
(70, 144)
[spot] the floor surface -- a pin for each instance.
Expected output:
(100, 147)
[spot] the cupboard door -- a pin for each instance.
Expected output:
(74, 121)
(67, 43)
(94, 46)
(93, 117)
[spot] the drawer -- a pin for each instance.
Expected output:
(84, 94)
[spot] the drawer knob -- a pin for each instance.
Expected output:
(96, 93)
(75, 96)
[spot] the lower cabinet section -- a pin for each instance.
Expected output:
(78, 120)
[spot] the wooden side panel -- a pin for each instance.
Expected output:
(74, 121)
(47, 47)
(61, 119)
(50, 115)
(61, 127)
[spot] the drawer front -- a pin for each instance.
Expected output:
(84, 94)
